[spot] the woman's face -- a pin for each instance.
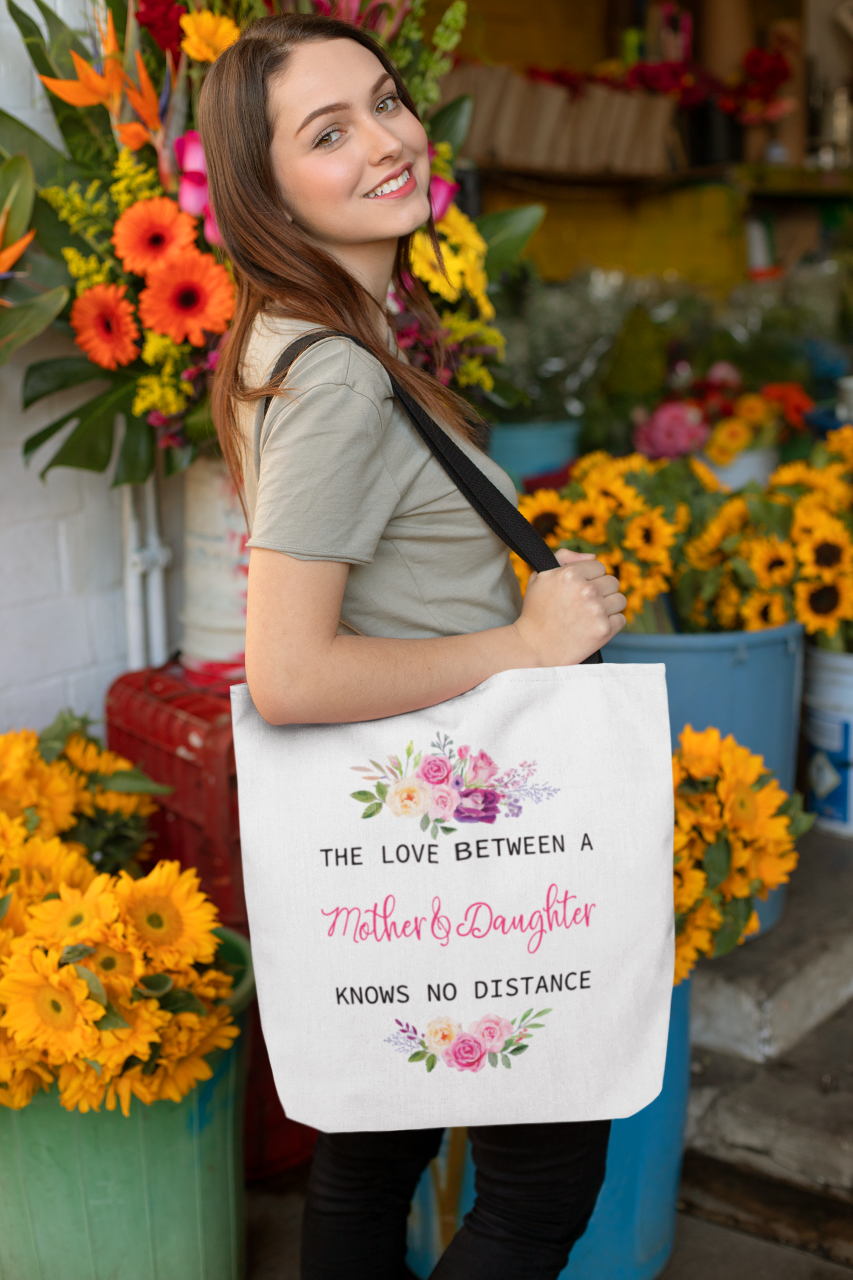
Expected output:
(350, 160)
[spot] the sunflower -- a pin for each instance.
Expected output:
(22, 1074)
(840, 441)
(545, 510)
(522, 571)
(706, 477)
(649, 535)
(703, 551)
(168, 917)
(727, 604)
(771, 560)
(607, 484)
(146, 1021)
(696, 937)
(103, 320)
(689, 885)
(827, 550)
(207, 34)
(587, 519)
(828, 482)
(81, 1087)
(762, 609)
(729, 438)
(185, 1044)
(754, 410)
(117, 961)
(682, 518)
(187, 296)
(821, 606)
(630, 577)
(700, 752)
(48, 1007)
(69, 917)
(698, 616)
(88, 757)
(150, 231)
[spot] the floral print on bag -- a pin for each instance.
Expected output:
(448, 785)
(491, 1039)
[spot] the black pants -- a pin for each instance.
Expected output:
(536, 1189)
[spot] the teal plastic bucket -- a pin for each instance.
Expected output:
(154, 1196)
(534, 448)
(747, 683)
(632, 1230)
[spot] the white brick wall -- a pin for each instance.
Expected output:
(21, 92)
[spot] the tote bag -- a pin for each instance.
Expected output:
(463, 915)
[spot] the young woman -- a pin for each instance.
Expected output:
(374, 588)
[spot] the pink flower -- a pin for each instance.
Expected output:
(482, 768)
(466, 1053)
(673, 429)
(493, 1030)
(434, 769)
(441, 195)
(464, 753)
(723, 374)
(192, 191)
(443, 803)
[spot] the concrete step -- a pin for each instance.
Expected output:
(790, 1119)
(707, 1252)
(761, 999)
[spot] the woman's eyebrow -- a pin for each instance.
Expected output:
(340, 106)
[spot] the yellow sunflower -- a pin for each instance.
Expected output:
(727, 604)
(118, 962)
(649, 535)
(587, 519)
(703, 551)
(22, 1074)
(706, 477)
(771, 560)
(185, 1044)
(689, 885)
(81, 1087)
(728, 438)
(545, 510)
(762, 609)
(589, 462)
(69, 917)
(754, 409)
(700, 752)
(522, 571)
(48, 1007)
(630, 577)
(146, 1021)
(697, 937)
(827, 550)
(609, 486)
(682, 518)
(840, 442)
(821, 606)
(167, 915)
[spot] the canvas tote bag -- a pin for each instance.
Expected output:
(463, 915)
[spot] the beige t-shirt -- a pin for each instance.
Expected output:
(337, 472)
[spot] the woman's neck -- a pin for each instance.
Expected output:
(371, 264)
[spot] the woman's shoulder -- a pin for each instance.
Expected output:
(335, 361)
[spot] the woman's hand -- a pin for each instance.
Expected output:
(570, 612)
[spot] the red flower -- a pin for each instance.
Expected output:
(162, 19)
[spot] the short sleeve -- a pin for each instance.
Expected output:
(324, 491)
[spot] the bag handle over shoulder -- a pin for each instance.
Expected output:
(487, 500)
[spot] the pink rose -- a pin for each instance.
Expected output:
(443, 802)
(441, 195)
(723, 374)
(493, 1030)
(464, 753)
(434, 769)
(466, 1053)
(673, 429)
(482, 768)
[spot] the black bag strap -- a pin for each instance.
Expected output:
(486, 499)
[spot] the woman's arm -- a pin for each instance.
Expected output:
(300, 671)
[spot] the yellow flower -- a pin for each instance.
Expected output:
(48, 1007)
(47, 793)
(728, 438)
(607, 484)
(631, 584)
(134, 181)
(123, 802)
(840, 441)
(81, 1087)
(69, 917)
(706, 477)
(699, 613)
(22, 1074)
(146, 1021)
(727, 605)
(589, 462)
(682, 518)
(441, 1032)
(697, 937)
(587, 518)
(118, 962)
(86, 271)
(827, 482)
(771, 560)
(207, 34)
(88, 757)
(700, 752)
(545, 510)
(185, 1044)
(821, 606)
(473, 373)
(826, 551)
(522, 571)
(703, 551)
(754, 410)
(689, 885)
(168, 917)
(650, 536)
(762, 609)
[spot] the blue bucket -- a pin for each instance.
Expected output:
(533, 449)
(632, 1231)
(747, 683)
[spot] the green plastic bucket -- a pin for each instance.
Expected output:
(155, 1196)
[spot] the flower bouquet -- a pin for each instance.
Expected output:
(735, 830)
(110, 985)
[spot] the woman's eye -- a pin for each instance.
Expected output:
(328, 138)
(388, 103)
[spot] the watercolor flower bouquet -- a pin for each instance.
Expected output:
(490, 1039)
(448, 785)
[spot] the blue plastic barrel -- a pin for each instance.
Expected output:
(747, 683)
(534, 448)
(632, 1231)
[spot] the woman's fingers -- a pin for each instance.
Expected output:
(614, 603)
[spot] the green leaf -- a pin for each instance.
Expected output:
(62, 41)
(182, 1001)
(31, 818)
(34, 41)
(409, 749)
(366, 797)
(46, 376)
(90, 444)
(717, 861)
(112, 1020)
(156, 984)
(4, 904)
(17, 193)
(151, 1065)
(14, 876)
(735, 916)
(519, 1048)
(93, 982)
(542, 1013)
(130, 782)
(178, 460)
(505, 1060)
(507, 233)
(198, 423)
(418, 1055)
(51, 167)
(525, 1016)
(381, 790)
(70, 955)
(21, 323)
(425, 822)
(431, 1061)
(52, 236)
(534, 1026)
(136, 458)
(493, 1059)
(372, 810)
(52, 740)
(48, 897)
(452, 122)
(434, 832)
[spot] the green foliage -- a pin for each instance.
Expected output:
(735, 918)
(20, 324)
(423, 63)
(507, 233)
(52, 740)
(47, 376)
(637, 366)
(90, 444)
(451, 122)
(17, 193)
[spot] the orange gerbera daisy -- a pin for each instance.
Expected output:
(150, 230)
(103, 320)
(186, 296)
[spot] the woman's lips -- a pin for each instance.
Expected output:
(405, 190)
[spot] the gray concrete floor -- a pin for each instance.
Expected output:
(703, 1251)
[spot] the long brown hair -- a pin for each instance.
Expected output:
(277, 266)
